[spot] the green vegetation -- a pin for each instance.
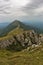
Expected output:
(16, 31)
(12, 27)
(22, 58)
(15, 24)
(31, 56)
(10, 34)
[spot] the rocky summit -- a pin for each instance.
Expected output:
(22, 41)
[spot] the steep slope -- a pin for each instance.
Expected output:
(21, 41)
(14, 25)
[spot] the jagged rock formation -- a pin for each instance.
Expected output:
(22, 41)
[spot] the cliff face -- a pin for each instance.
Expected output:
(22, 41)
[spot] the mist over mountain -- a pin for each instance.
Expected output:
(36, 24)
(3, 25)
(5, 28)
(16, 24)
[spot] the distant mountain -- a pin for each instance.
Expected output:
(36, 24)
(3, 25)
(16, 24)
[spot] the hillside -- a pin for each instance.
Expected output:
(22, 49)
(21, 46)
(12, 33)
(36, 24)
(25, 57)
(18, 40)
(14, 25)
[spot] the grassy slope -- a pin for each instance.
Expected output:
(11, 27)
(10, 34)
(16, 31)
(22, 58)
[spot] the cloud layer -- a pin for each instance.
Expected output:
(34, 9)
(21, 9)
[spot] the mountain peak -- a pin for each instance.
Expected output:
(16, 24)
(16, 21)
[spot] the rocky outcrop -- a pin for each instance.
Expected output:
(22, 41)
(28, 38)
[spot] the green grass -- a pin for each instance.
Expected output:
(16, 31)
(22, 58)
(12, 33)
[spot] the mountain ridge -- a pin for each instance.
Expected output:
(14, 25)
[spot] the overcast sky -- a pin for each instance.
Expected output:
(31, 10)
